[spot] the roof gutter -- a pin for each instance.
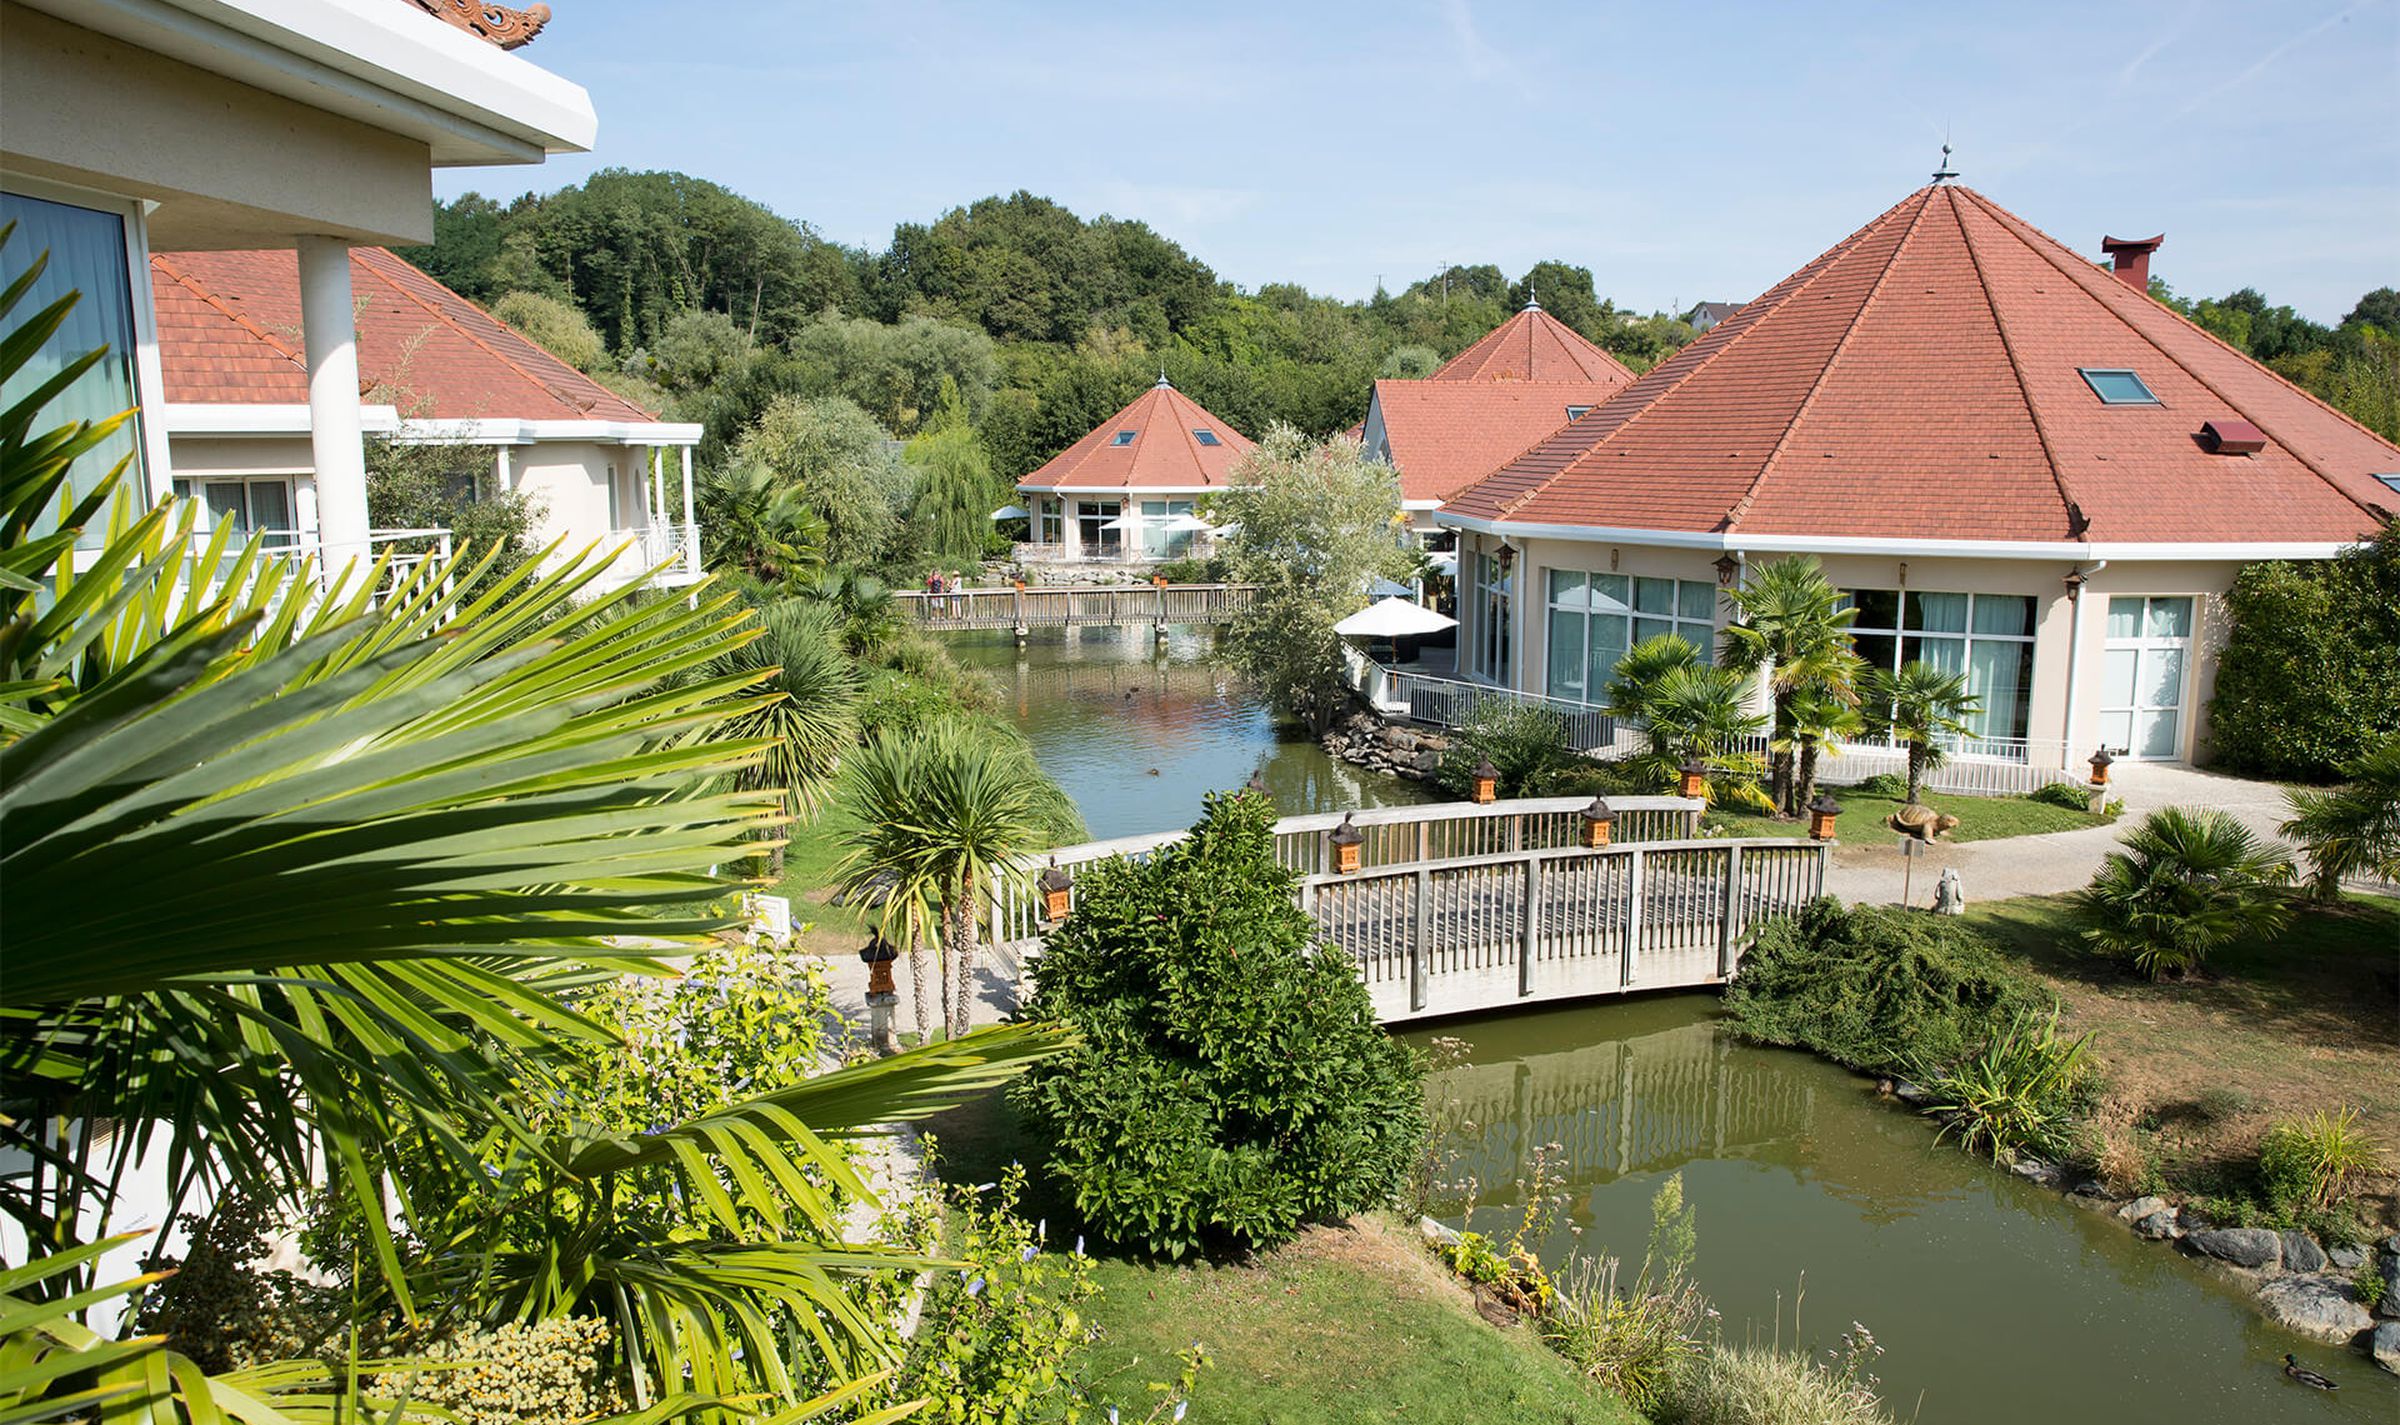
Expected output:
(1906, 548)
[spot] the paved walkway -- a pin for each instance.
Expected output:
(1869, 867)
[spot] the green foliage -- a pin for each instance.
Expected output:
(1688, 709)
(1230, 1082)
(1887, 784)
(956, 491)
(2353, 829)
(1001, 1334)
(436, 485)
(2066, 795)
(902, 374)
(845, 469)
(1923, 705)
(2366, 1279)
(758, 523)
(556, 326)
(1641, 1340)
(1318, 526)
(1877, 989)
(2022, 1093)
(1527, 745)
(2309, 681)
(1211, 570)
(811, 717)
(1789, 619)
(2312, 1161)
(1759, 1385)
(2184, 883)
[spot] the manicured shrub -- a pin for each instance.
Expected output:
(2185, 883)
(2021, 1094)
(2310, 676)
(1876, 989)
(2062, 794)
(1883, 784)
(1231, 1082)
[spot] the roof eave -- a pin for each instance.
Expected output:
(1738, 542)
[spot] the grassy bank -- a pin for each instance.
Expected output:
(2197, 1070)
(1979, 818)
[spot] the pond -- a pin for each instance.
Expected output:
(1138, 732)
(1994, 1300)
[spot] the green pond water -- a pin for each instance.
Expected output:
(1995, 1300)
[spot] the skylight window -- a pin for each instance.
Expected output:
(1205, 437)
(1576, 413)
(2391, 481)
(2117, 387)
(1123, 437)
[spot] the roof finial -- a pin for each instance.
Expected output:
(1163, 382)
(1532, 302)
(1945, 173)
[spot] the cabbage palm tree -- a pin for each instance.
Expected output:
(2352, 829)
(351, 855)
(1689, 709)
(1788, 618)
(811, 720)
(1819, 717)
(760, 524)
(944, 815)
(2185, 883)
(1924, 705)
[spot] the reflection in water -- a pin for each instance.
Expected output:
(1137, 733)
(1996, 1300)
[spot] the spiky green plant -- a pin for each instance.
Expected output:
(2183, 884)
(2019, 1094)
(1688, 709)
(2353, 829)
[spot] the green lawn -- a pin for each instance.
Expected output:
(1979, 818)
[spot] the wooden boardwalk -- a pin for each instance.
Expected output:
(1459, 908)
(1070, 607)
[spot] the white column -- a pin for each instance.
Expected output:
(329, 330)
(500, 454)
(658, 485)
(691, 520)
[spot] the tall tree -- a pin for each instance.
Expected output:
(1565, 292)
(1788, 620)
(845, 466)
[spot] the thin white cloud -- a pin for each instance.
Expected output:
(2133, 67)
(1480, 59)
(2264, 61)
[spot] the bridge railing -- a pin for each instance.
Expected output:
(1066, 606)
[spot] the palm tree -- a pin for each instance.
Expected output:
(760, 524)
(811, 717)
(2185, 883)
(1688, 709)
(2353, 829)
(1923, 705)
(943, 815)
(349, 875)
(1788, 618)
(1819, 718)
(869, 618)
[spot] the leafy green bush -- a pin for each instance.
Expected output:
(2310, 676)
(2185, 882)
(1231, 1081)
(1526, 743)
(2062, 794)
(2310, 1162)
(1882, 784)
(1193, 570)
(2367, 1280)
(1876, 988)
(2022, 1093)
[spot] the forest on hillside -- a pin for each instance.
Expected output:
(888, 400)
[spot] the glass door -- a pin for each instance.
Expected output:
(2143, 688)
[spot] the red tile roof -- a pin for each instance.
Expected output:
(229, 331)
(1533, 346)
(1920, 380)
(1166, 452)
(1443, 436)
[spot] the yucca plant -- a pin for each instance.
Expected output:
(2020, 1093)
(2314, 1160)
(300, 877)
(2184, 884)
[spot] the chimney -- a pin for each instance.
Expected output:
(2133, 259)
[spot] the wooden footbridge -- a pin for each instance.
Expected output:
(1023, 609)
(1459, 908)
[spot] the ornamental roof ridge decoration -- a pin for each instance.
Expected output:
(498, 24)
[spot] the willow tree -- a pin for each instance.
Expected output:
(1319, 524)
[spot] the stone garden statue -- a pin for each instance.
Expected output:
(1950, 894)
(1921, 822)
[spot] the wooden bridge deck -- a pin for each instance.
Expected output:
(1460, 908)
(1067, 607)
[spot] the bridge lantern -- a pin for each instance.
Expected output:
(2100, 761)
(1487, 783)
(1693, 777)
(1057, 889)
(1346, 840)
(1821, 814)
(1599, 824)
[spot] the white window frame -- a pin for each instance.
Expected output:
(2142, 643)
(1967, 636)
(1491, 603)
(149, 377)
(1702, 635)
(290, 482)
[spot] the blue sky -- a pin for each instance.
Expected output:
(1681, 151)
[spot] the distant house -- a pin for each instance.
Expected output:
(439, 371)
(1129, 489)
(2016, 464)
(1708, 314)
(1526, 378)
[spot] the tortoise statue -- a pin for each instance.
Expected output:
(1921, 821)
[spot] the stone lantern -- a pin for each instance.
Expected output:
(2100, 764)
(1821, 814)
(883, 996)
(1346, 841)
(1599, 824)
(1692, 779)
(1487, 783)
(1057, 889)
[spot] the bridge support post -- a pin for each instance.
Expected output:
(1727, 940)
(1528, 947)
(1421, 941)
(1637, 910)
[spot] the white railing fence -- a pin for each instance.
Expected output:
(670, 548)
(1068, 606)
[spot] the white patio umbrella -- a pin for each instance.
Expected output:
(1186, 524)
(1012, 512)
(1393, 618)
(1127, 521)
(1390, 589)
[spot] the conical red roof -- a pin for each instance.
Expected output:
(1164, 440)
(1924, 380)
(1534, 346)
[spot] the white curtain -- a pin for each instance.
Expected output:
(87, 256)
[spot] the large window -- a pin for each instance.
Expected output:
(87, 254)
(1487, 616)
(252, 504)
(1091, 520)
(1989, 637)
(1594, 618)
(1046, 515)
(1159, 542)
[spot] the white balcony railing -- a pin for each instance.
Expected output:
(670, 548)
